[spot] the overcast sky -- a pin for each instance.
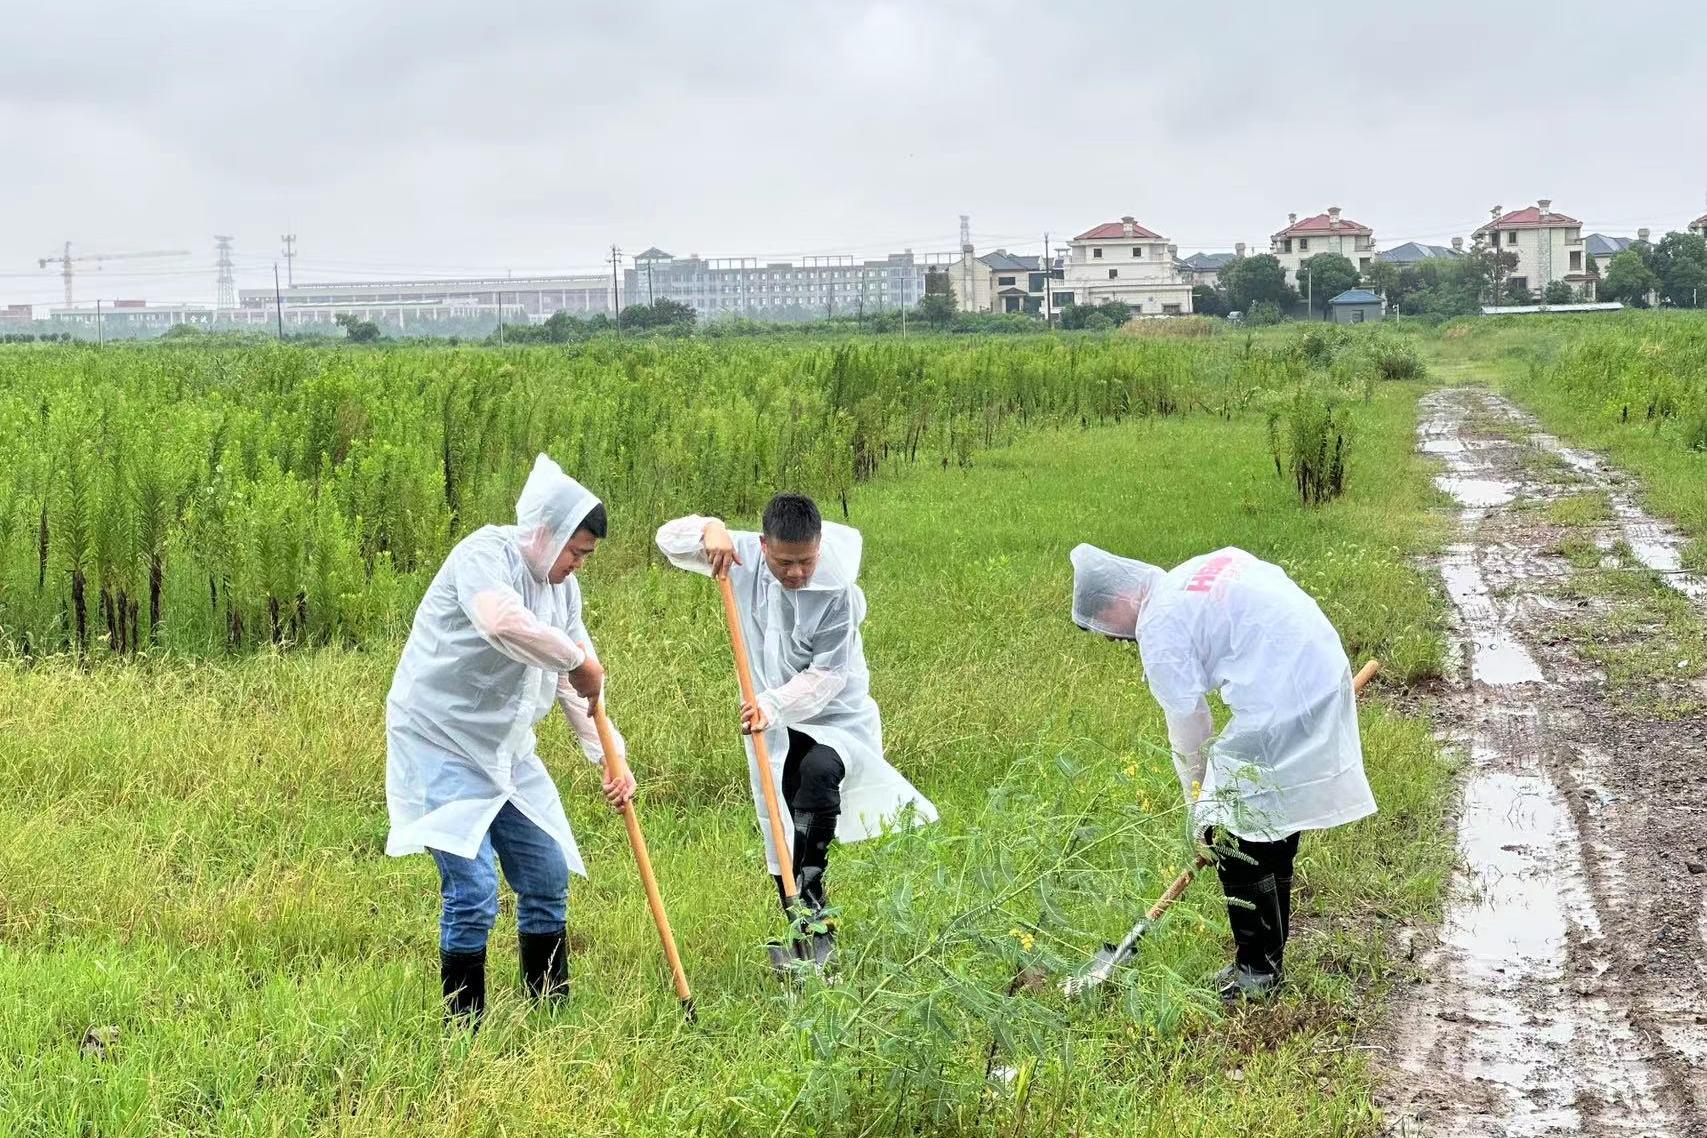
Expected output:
(428, 137)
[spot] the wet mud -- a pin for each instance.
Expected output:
(1563, 993)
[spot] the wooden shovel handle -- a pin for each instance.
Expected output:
(761, 752)
(637, 842)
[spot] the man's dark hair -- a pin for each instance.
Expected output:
(792, 518)
(595, 522)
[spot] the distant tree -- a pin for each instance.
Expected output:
(1383, 277)
(1206, 300)
(182, 332)
(1679, 261)
(1558, 292)
(1263, 312)
(937, 308)
(356, 330)
(1329, 274)
(1517, 293)
(1251, 279)
(1629, 279)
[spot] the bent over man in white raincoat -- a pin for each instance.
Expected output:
(497, 639)
(800, 613)
(1289, 759)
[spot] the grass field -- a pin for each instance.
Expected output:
(191, 853)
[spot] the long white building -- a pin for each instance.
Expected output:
(782, 290)
(404, 303)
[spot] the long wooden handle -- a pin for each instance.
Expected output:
(744, 673)
(1183, 881)
(637, 841)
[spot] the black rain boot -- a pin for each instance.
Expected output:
(813, 833)
(1254, 916)
(462, 975)
(545, 964)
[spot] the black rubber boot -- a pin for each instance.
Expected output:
(545, 964)
(462, 975)
(1283, 887)
(1236, 983)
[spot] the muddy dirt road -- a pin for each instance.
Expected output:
(1567, 991)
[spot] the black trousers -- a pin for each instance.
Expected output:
(1257, 879)
(812, 786)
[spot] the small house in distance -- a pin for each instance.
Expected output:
(1355, 306)
(1205, 268)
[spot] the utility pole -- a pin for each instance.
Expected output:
(278, 299)
(651, 297)
(289, 240)
(100, 338)
(500, 319)
(1048, 287)
(616, 289)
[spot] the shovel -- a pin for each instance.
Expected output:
(637, 841)
(780, 957)
(1111, 956)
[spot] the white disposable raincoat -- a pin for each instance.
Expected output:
(1290, 758)
(809, 673)
(488, 652)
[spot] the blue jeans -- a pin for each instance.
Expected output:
(534, 867)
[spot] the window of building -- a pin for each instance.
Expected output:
(1010, 304)
(1034, 282)
(1137, 250)
(1112, 273)
(1303, 244)
(1357, 315)
(1511, 237)
(1096, 254)
(1170, 310)
(1363, 264)
(1004, 280)
(1576, 261)
(1286, 245)
(1063, 298)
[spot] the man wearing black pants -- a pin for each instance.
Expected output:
(1288, 759)
(801, 608)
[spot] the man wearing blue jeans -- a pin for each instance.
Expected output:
(497, 639)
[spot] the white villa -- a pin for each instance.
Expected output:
(1123, 261)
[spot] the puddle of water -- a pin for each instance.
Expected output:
(1443, 446)
(1657, 545)
(1477, 493)
(1496, 656)
(1512, 832)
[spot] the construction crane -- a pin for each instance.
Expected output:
(66, 260)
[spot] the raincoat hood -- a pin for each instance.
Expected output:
(1109, 592)
(839, 551)
(552, 505)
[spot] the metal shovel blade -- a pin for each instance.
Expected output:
(1104, 962)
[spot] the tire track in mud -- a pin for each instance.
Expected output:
(1564, 995)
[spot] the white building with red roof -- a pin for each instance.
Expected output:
(1123, 261)
(1699, 226)
(1325, 233)
(1549, 246)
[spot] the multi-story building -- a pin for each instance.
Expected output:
(14, 317)
(1205, 268)
(1549, 246)
(1325, 233)
(1413, 252)
(1125, 262)
(1004, 282)
(781, 290)
(1699, 226)
(405, 303)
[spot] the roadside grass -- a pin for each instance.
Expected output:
(1647, 638)
(191, 854)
